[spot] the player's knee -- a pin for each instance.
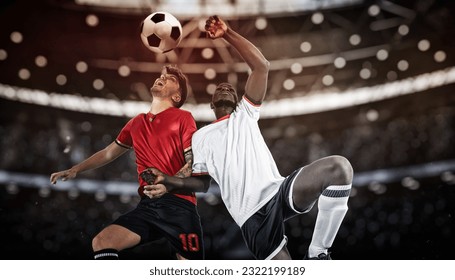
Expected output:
(99, 242)
(341, 172)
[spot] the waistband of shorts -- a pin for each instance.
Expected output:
(169, 198)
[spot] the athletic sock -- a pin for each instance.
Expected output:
(106, 254)
(332, 207)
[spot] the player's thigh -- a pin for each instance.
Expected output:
(115, 237)
(315, 177)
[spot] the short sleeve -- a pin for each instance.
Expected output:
(251, 109)
(199, 164)
(188, 127)
(124, 137)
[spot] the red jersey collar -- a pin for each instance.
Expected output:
(150, 114)
(222, 118)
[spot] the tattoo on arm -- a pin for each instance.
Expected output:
(186, 170)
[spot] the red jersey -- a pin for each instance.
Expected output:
(159, 141)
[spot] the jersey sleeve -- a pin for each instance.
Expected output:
(124, 137)
(199, 164)
(251, 109)
(188, 127)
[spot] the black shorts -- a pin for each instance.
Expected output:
(264, 231)
(171, 217)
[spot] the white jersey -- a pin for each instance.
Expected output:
(233, 152)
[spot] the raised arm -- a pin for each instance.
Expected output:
(256, 84)
(98, 159)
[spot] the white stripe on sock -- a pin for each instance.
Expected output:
(102, 255)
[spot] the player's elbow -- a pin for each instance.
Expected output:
(264, 66)
(267, 64)
(261, 65)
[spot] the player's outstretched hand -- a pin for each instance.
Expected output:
(215, 27)
(63, 175)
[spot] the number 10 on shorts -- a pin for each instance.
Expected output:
(190, 242)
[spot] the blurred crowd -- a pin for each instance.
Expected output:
(41, 140)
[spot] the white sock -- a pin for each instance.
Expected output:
(332, 207)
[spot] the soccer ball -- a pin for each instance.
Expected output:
(161, 32)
